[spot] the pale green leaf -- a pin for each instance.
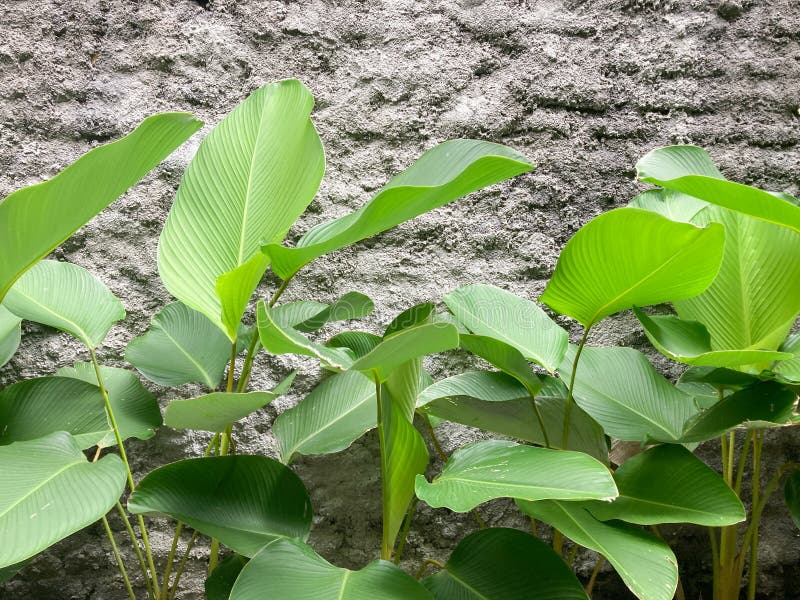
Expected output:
(790, 369)
(308, 316)
(10, 334)
(358, 343)
(670, 204)
(215, 411)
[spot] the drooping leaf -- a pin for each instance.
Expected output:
(359, 343)
(645, 563)
(668, 484)
(181, 346)
(135, 409)
(482, 471)
(689, 169)
(10, 334)
(628, 257)
(67, 297)
(753, 302)
(689, 342)
(790, 369)
(252, 176)
(670, 204)
(497, 402)
(718, 377)
(243, 501)
(490, 311)
(621, 390)
(791, 493)
(219, 584)
(505, 357)
(48, 490)
(308, 316)
(215, 411)
(443, 174)
(763, 404)
(290, 569)
(411, 317)
(36, 219)
(504, 564)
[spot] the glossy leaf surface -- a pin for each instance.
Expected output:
(670, 204)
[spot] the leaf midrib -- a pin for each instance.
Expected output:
(78, 329)
(41, 485)
(206, 374)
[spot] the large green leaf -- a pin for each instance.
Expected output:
(645, 563)
(490, 311)
(243, 501)
(621, 390)
(48, 491)
(668, 484)
(67, 297)
(135, 409)
(443, 174)
(219, 584)
(482, 471)
(10, 334)
(672, 205)
(215, 411)
(308, 316)
(789, 369)
(252, 176)
(689, 169)
(753, 302)
(181, 346)
(497, 402)
(791, 493)
(36, 219)
(290, 569)
(628, 257)
(335, 414)
(358, 343)
(504, 564)
(503, 356)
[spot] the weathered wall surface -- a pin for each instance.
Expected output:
(583, 88)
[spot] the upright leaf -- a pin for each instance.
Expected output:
(504, 564)
(483, 471)
(36, 219)
(253, 175)
(628, 257)
(290, 569)
(67, 297)
(443, 174)
(243, 501)
(10, 334)
(48, 490)
(490, 311)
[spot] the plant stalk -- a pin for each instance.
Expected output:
(139, 555)
(570, 399)
(595, 572)
(386, 548)
(181, 567)
(120, 564)
(404, 531)
(170, 558)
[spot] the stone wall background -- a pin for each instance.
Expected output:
(582, 88)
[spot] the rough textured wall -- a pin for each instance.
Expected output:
(583, 88)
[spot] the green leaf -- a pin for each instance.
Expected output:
(645, 563)
(215, 411)
(790, 369)
(718, 377)
(490, 311)
(491, 469)
(689, 342)
(359, 343)
(763, 404)
(689, 170)
(443, 174)
(181, 346)
(753, 302)
(289, 569)
(670, 204)
(621, 390)
(499, 403)
(219, 584)
(7, 573)
(791, 493)
(252, 176)
(135, 409)
(406, 344)
(36, 219)
(504, 564)
(243, 501)
(67, 297)
(48, 491)
(336, 413)
(505, 357)
(628, 257)
(668, 484)
(307, 316)
(411, 317)
(10, 334)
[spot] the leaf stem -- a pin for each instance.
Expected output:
(386, 550)
(752, 570)
(170, 558)
(595, 572)
(570, 399)
(740, 469)
(428, 562)
(181, 567)
(139, 556)
(120, 564)
(540, 419)
(404, 532)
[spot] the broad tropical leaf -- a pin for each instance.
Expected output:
(181, 346)
(290, 569)
(672, 205)
(10, 334)
(36, 219)
(621, 390)
(505, 357)
(411, 317)
(791, 493)
(215, 411)
(789, 369)
(482, 471)
(689, 342)
(490, 311)
(308, 316)
(48, 490)
(497, 402)
(252, 176)
(219, 584)
(358, 343)
(504, 564)
(443, 174)
(689, 170)
(645, 563)
(628, 257)
(67, 297)
(668, 484)
(243, 501)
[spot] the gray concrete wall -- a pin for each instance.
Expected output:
(583, 88)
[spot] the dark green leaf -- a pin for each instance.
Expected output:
(219, 584)
(505, 357)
